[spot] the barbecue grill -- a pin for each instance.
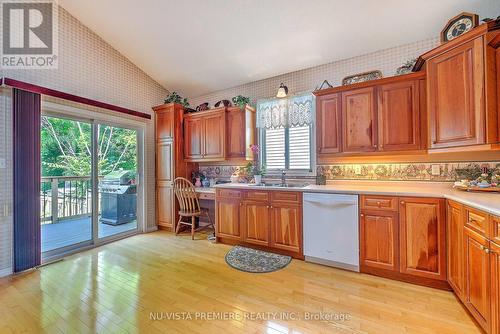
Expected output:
(118, 198)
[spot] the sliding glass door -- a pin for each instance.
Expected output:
(90, 190)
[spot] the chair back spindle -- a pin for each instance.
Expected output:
(186, 196)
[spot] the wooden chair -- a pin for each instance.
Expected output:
(189, 205)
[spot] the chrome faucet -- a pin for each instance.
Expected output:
(283, 177)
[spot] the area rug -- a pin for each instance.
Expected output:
(255, 261)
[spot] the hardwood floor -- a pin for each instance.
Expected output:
(118, 287)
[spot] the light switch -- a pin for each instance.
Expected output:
(436, 170)
(3, 163)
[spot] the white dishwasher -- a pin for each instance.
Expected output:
(331, 234)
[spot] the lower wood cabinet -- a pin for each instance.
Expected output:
(286, 227)
(404, 238)
(268, 219)
(227, 216)
(166, 198)
(454, 247)
(477, 275)
(422, 237)
(255, 220)
(495, 286)
(379, 240)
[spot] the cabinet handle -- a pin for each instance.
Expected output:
(271, 207)
(403, 202)
(241, 204)
(378, 203)
(483, 247)
(362, 215)
(487, 251)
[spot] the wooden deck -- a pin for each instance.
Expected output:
(73, 231)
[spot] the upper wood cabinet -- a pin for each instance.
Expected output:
(328, 120)
(359, 121)
(399, 116)
(462, 91)
(219, 134)
(422, 237)
(455, 246)
(240, 132)
(375, 117)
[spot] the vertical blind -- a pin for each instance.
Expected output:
(286, 129)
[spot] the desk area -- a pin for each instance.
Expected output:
(206, 193)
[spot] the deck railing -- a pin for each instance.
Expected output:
(64, 197)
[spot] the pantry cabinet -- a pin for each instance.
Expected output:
(269, 220)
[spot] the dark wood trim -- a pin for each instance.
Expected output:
(371, 83)
(70, 97)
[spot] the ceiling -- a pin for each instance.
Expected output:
(200, 46)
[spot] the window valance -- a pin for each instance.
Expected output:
(292, 112)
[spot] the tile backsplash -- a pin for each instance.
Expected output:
(448, 171)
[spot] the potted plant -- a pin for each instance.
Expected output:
(241, 101)
(253, 168)
(176, 98)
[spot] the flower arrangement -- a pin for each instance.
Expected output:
(253, 168)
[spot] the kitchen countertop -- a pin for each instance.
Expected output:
(488, 202)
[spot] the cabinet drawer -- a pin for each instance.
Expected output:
(286, 197)
(477, 221)
(229, 193)
(207, 196)
(379, 203)
(256, 195)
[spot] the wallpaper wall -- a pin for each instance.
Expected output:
(89, 67)
(387, 61)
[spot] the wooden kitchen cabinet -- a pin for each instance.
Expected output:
(359, 120)
(240, 132)
(205, 136)
(495, 286)
(286, 227)
(170, 161)
(379, 240)
(455, 245)
(477, 273)
(328, 120)
(422, 237)
(227, 216)
(399, 116)
(495, 229)
(255, 220)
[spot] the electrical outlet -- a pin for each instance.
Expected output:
(436, 170)
(357, 169)
(3, 163)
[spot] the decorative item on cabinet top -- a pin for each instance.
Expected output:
(176, 98)
(202, 107)
(222, 103)
(449, 171)
(362, 77)
(406, 67)
(458, 25)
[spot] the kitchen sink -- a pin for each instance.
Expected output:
(279, 185)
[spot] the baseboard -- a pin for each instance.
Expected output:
(334, 264)
(151, 228)
(431, 283)
(6, 272)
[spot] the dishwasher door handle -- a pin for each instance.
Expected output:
(332, 203)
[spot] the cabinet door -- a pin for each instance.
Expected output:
(235, 135)
(165, 124)
(379, 238)
(477, 277)
(399, 116)
(165, 202)
(359, 120)
(456, 96)
(214, 136)
(164, 157)
(328, 130)
(495, 229)
(455, 247)
(227, 215)
(286, 227)
(495, 287)
(193, 138)
(255, 223)
(422, 223)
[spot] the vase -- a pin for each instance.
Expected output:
(257, 178)
(198, 182)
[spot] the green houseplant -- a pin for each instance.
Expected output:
(176, 98)
(241, 101)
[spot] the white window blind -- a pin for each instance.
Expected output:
(300, 148)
